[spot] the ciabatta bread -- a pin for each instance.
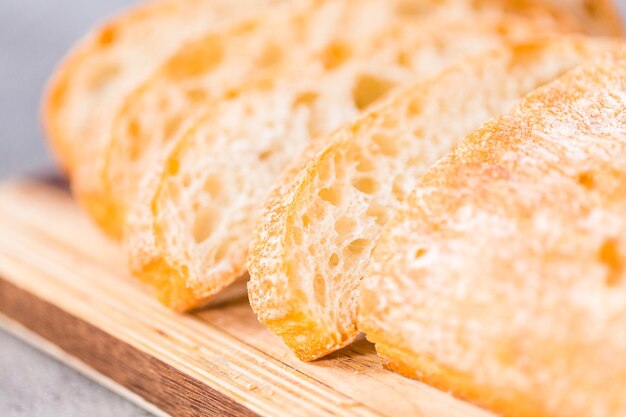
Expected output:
(323, 219)
(203, 69)
(190, 237)
(89, 86)
(502, 278)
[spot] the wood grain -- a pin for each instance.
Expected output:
(63, 280)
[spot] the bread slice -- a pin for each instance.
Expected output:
(502, 278)
(89, 85)
(204, 68)
(190, 238)
(323, 219)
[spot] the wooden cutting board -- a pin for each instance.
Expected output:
(65, 288)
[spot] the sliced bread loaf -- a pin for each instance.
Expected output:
(323, 219)
(502, 278)
(190, 237)
(90, 84)
(207, 66)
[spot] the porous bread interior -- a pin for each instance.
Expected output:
(91, 83)
(283, 111)
(203, 69)
(157, 111)
(113, 59)
(506, 264)
(315, 238)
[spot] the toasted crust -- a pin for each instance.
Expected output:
(502, 278)
(90, 84)
(388, 148)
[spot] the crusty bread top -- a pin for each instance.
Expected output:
(324, 216)
(507, 263)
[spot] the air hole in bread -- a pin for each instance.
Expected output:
(213, 186)
(107, 36)
(609, 255)
(379, 213)
(333, 260)
(305, 221)
(172, 167)
(196, 59)
(271, 55)
(368, 89)
(358, 246)
(412, 8)
(345, 225)
(419, 253)
(332, 195)
(366, 185)
(306, 98)
(403, 59)
(204, 224)
(386, 145)
(586, 180)
(265, 155)
(418, 133)
(414, 108)
(336, 54)
(319, 288)
(365, 164)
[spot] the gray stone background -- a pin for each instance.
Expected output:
(34, 34)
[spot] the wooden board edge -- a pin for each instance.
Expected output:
(33, 339)
(149, 379)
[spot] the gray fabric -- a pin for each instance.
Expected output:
(34, 34)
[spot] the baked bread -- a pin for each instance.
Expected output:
(201, 69)
(190, 237)
(502, 278)
(89, 85)
(204, 68)
(323, 219)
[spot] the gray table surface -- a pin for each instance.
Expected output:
(34, 34)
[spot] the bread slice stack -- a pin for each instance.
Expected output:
(216, 138)
(502, 278)
(203, 70)
(322, 221)
(91, 83)
(197, 226)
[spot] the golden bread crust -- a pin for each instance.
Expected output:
(501, 278)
